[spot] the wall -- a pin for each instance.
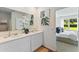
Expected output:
(49, 31)
(64, 14)
(52, 29)
(78, 26)
(37, 20)
(13, 21)
(78, 19)
(53, 26)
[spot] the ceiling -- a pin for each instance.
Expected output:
(58, 8)
(9, 9)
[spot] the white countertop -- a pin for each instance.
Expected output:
(14, 37)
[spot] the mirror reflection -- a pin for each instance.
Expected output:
(13, 20)
(5, 20)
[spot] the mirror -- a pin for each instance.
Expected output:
(5, 19)
(11, 20)
(21, 20)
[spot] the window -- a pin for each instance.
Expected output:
(66, 24)
(70, 24)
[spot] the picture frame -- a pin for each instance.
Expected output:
(44, 15)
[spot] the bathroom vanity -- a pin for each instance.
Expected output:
(22, 42)
(13, 41)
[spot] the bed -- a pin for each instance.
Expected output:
(68, 37)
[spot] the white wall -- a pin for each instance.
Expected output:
(53, 26)
(49, 31)
(37, 20)
(78, 19)
(28, 10)
(64, 14)
(78, 26)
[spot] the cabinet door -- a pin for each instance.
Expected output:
(36, 41)
(18, 45)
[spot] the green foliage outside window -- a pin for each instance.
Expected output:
(66, 24)
(70, 24)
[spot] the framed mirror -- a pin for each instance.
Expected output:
(5, 20)
(11, 20)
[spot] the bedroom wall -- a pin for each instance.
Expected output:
(62, 14)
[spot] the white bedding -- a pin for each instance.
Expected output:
(68, 34)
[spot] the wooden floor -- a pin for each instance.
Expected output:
(43, 49)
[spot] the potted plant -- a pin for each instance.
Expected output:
(26, 30)
(44, 19)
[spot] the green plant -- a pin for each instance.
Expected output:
(31, 21)
(45, 21)
(26, 30)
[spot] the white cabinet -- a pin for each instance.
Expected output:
(36, 41)
(18, 45)
(23, 44)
